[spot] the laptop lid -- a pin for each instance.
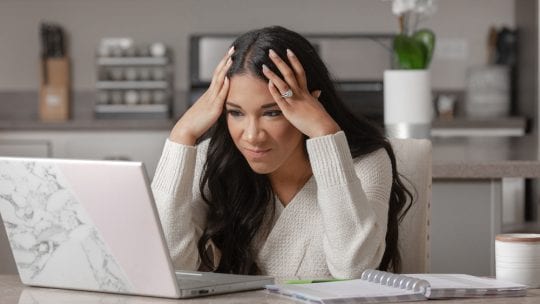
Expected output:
(88, 225)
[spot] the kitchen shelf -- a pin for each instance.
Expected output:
(134, 86)
(140, 108)
(132, 61)
(147, 111)
(504, 126)
(125, 85)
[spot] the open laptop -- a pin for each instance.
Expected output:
(93, 225)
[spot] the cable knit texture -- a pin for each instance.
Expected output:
(335, 226)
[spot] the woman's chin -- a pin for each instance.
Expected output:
(261, 168)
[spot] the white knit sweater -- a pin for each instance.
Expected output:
(335, 226)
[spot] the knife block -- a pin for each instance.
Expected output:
(54, 93)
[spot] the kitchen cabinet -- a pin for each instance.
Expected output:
(25, 148)
(143, 146)
(476, 186)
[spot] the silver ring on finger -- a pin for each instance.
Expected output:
(287, 94)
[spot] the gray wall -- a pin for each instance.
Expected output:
(171, 21)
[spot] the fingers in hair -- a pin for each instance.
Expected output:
(299, 71)
(220, 77)
(219, 69)
(281, 85)
(224, 90)
(286, 71)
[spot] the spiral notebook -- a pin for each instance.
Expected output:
(378, 286)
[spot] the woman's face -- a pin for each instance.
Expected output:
(258, 128)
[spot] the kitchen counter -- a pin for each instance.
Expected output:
(489, 157)
(461, 126)
(453, 157)
(88, 125)
(84, 120)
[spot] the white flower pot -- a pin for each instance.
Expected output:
(407, 103)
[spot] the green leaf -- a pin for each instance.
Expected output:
(427, 38)
(410, 53)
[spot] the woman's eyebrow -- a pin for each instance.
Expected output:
(233, 105)
(264, 106)
(269, 105)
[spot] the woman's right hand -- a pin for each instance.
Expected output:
(207, 109)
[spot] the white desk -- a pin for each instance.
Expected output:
(13, 292)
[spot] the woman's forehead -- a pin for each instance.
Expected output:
(249, 92)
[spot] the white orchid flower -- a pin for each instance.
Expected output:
(425, 7)
(399, 7)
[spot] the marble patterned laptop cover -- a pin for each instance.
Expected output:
(67, 226)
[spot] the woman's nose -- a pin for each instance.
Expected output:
(253, 132)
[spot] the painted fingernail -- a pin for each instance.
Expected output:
(265, 68)
(272, 53)
(231, 50)
(290, 53)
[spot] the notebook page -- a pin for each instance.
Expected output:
(462, 285)
(438, 281)
(342, 290)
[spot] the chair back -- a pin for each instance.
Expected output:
(413, 158)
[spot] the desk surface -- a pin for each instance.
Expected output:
(13, 292)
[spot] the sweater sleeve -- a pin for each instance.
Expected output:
(181, 209)
(353, 196)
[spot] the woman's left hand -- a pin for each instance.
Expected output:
(303, 110)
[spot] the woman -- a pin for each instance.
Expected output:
(289, 183)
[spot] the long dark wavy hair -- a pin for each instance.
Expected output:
(238, 198)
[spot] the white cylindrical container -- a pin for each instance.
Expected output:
(517, 258)
(131, 97)
(408, 107)
(488, 91)
(158, 49)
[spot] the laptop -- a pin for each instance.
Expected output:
(93, 225)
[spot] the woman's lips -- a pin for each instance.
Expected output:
(256, 153)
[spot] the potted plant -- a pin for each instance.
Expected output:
(407, 87)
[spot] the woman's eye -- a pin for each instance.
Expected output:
(234, 113)
(272, 113)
